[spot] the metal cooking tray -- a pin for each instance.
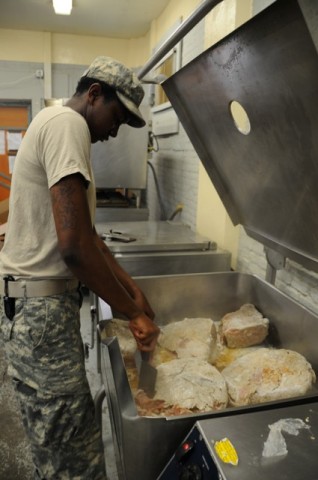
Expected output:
(145, 444)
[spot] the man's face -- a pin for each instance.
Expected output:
(104, 117)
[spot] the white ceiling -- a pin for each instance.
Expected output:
(108, 18)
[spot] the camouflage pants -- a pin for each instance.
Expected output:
(45, 357)
(65, 440)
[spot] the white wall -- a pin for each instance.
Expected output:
(176, 162)
(293, 280)
(18, 80)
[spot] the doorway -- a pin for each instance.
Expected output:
(15, 116)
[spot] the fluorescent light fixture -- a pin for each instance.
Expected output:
(62, 7)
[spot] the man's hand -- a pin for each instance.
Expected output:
(145, 332)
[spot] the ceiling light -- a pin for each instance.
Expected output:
(62, 7)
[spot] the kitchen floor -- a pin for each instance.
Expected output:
(15, 458)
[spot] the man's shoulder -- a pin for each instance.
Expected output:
(57, 111)
(59, 118)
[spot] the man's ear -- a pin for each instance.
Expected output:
(94, 91)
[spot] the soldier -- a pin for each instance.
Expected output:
(51, 245)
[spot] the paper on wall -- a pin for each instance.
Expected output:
(11, 163)
(2, 142)
(14, 140)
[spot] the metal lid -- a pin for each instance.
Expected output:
(265, 168)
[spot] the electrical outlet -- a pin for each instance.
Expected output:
(39, 73)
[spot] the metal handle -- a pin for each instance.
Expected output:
(178, 35)
(145, 356)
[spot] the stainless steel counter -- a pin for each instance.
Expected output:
(163, 247)
(153, 236)
(248, 434)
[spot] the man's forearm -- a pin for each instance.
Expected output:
(120, 273)
(94, 270)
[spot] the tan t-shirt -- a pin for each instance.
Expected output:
(57, 144)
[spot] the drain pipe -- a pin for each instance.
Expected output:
(163, 214)
(178, 35)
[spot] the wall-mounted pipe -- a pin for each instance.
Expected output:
(178, 35)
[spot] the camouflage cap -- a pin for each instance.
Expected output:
(124, 81)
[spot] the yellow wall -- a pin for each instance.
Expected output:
(174, 11)
(29, 46)
(212, 218)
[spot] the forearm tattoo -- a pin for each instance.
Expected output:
(64, 204)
